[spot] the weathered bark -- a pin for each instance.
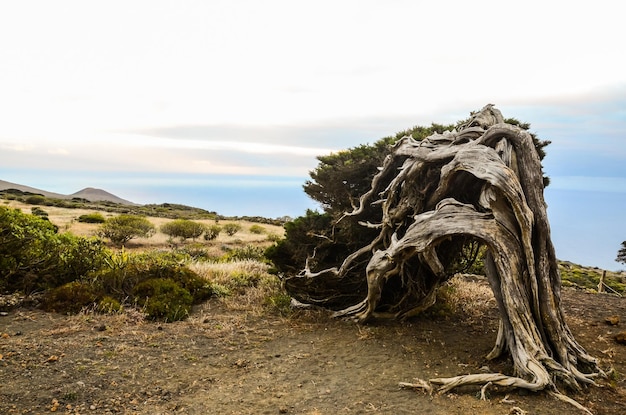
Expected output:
(482, 183)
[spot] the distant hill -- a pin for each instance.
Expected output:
(91, 194)
(99, 195)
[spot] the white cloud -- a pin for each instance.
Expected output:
(59, 152)
(16, 147)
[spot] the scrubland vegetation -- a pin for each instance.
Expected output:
(231, 323)
(69, 260)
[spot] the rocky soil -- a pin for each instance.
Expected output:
(225, 361)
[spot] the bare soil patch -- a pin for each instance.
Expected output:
(243, 360)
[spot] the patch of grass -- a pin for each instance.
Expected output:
(279, 302)
(463, 295)
(573, 275)
(69, 298)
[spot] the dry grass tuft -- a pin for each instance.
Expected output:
(471, 296)
(246, 285)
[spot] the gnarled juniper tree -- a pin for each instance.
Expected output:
(479, 183)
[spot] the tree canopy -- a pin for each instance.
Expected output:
(337, 184)
(121, 229)
(621, 254)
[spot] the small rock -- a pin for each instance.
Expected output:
(612, 320)
(621, 337)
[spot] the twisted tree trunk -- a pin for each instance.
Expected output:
(482, 183)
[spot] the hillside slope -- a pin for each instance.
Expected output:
(89, 193)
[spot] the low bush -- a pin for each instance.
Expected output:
(212, 232)
(163, 298)
(92, 218)
(123, 272)
(35, 200)
(194, 252)
(34, 257)
(257, 229)
(121, 229)
(244, 253)
(183, 229)
(279, 302)
(37, 211)
(232, 228)
(109, 305)
(69, 298)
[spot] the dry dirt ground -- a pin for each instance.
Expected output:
(221, 361)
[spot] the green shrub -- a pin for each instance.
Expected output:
(109, 305)
(121, 229)
(25, 249)
(69, 298)
(232, 228)
(257, 229)
(212, 232)
(272, 237)
(183, 229)
(92, 218)
(240, 280)
(163, 298)
(247, 252)
(122, 272)
(37, 211)
(35, 200)
(280, 302)
(194, 252)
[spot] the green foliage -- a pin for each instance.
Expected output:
(183, 229)
(241, 279)
(35, 200)
(621, 254)
(337, 183)
(248, 252)
(92, 218)
(121, 229)
(194, 252)
(34, 257)
(123, 271)
(231, 228)
(573, 275)
(158, 281)
(272, 237)
(73, 258)
(174, 211)
(69, 298)
(163, 298)
(37, 211)
(109, 305)
(280, 302)
(212, 232)
(257, 229)
(301, 238)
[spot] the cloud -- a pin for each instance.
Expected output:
(16, 147)
(324, 135)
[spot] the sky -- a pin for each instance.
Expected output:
(225, 105)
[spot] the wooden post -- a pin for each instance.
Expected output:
(601, 283)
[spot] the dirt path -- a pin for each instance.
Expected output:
(225, 362)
